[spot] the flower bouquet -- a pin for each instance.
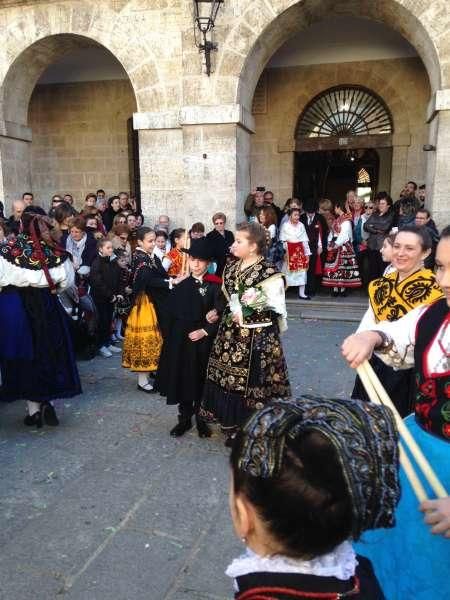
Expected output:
(246, 302)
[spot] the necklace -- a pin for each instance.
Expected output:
(241, 272)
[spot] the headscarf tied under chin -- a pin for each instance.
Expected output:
(363, 435)
(39, 229)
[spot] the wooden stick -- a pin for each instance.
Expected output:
(368, 377)
(184, 261)
(404, 459)
(411, 443)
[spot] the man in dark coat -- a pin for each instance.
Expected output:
(317, 232)
(220, 240)
(193, 322)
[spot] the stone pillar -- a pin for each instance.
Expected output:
(399, 173)
(438, 160)
(161, 164)
(195, 162)
(15, 171)
(216, 155)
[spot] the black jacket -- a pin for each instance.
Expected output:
(378, 226)
(105, 279)
(318, 226)
(220, 248)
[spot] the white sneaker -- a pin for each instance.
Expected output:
(104, 352)
(114, 349)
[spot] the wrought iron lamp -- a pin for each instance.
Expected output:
(205, 12)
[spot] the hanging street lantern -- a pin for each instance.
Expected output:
(205, 12)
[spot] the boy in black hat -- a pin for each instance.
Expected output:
(194, 306)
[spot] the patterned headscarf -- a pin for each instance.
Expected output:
(364, 438)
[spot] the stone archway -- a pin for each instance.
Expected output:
(263, 27)
(42, 34)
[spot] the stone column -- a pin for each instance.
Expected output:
(438, 159)
(161, 164)
(15, 171)
(216, 156)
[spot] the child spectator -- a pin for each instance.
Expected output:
(192, 325)
(105, 291)
(162, 246)
(123, 305)
(175, 255)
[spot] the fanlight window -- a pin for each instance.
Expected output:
(363, 176)
(345, 111)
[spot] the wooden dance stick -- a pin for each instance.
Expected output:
(378, 394)
(184, 262)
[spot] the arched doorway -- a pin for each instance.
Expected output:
(342, 136)
(68, 102)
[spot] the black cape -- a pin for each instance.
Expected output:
(182, 367)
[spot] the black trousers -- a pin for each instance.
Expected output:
(105, 316)
(312, 280)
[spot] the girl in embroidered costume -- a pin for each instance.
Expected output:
(143, 340)
(296, 259)
(175, 255)
(410, 561)
(246, 367)
(410, 285)
(308, 477)
(341, 267)
(37, 361)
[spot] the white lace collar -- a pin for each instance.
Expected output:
(340, 563)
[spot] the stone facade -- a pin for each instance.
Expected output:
(395, 81)
(80, 139)
(194, 131)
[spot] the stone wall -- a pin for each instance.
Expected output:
(80, 140)
(153, 40)
(289, 89)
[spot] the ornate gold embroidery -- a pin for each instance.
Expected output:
(391, 300)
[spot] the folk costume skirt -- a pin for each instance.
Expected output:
(246, 369)
(143, 341)
(341, 268)
(37, 360)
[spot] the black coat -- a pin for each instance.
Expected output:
(104, 279)
(108, 217)
(220, 248)
(183, 363)
(318, 226)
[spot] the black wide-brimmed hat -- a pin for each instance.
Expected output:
(200, 248)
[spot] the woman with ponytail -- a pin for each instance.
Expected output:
(37, 363)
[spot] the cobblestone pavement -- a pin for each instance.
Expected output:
(108, 507)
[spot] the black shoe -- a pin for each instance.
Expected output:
(49, 415)
(181, 428)
(305, 297)
(334, 294)
(202, 428)
(229, 441)
(343, 293)
(33, 420)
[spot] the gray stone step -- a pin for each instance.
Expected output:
(329, 309)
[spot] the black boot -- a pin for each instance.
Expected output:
(182, 426)
(49, 415)
(202, 428)
(33, 420)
